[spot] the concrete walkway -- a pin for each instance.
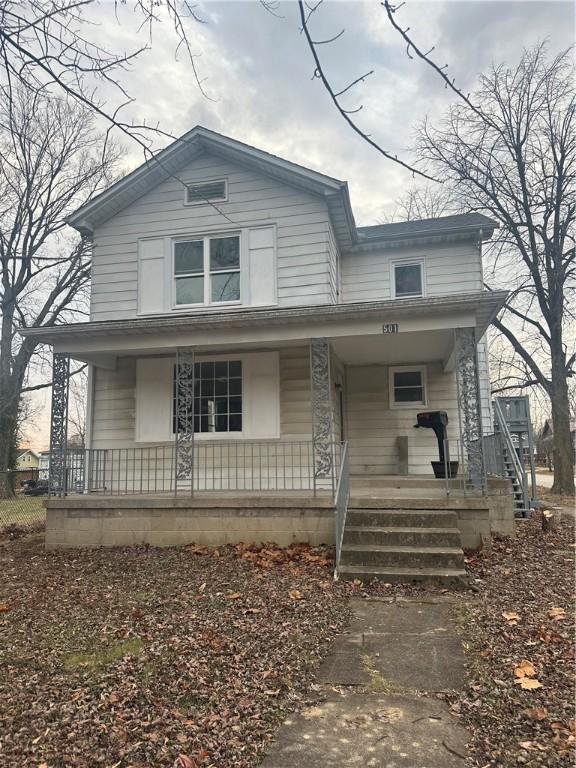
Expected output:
(373, 709)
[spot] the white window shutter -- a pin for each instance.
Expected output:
(262, 266)
(153, 276)
(154, 377)
(261, 393)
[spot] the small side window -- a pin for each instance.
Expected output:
(407, 387)
(408, 279)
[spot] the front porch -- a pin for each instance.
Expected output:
(254, 430)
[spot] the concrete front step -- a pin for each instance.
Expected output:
(402, 518)
(407, 536)
(450, 577)
(374, 555)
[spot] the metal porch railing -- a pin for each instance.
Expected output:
(509, 461)
(341, 500)
(234, 465)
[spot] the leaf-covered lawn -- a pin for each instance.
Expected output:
(22, 510)
(142, 657)
(520, 634)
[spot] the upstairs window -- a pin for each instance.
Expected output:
(206, 192)
(408, 279)
(207, 271)
(407, 387)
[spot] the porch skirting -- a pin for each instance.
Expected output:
(82, 521)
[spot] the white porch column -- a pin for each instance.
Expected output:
(59, 423)
(469, 406)
(184, 427)
(321, 400)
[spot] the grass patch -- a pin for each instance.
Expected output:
(21, 510)
(104, 656)
(378, 683)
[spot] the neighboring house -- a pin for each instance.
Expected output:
(545, 443)
(27, 459)
(44, 464)
(293, 327)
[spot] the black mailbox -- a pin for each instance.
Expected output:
(438, 421)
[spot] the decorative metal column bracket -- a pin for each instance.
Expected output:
(469, 406)
(321, 408)
(59, 423)
(184, 382)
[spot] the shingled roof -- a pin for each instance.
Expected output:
(442, 225)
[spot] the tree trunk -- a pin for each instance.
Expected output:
(563, 465)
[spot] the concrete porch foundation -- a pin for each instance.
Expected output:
(215, 519)
(212, 520)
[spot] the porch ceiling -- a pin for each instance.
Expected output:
(395, 349)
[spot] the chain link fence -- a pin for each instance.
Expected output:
(21, 500)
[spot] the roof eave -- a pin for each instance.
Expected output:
(485, 231)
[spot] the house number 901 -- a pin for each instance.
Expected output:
(390, 328)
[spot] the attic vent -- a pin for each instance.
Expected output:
(206, 191)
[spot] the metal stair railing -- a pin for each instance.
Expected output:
(341, 499)
(512, 461)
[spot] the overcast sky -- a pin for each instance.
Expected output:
(258, 71)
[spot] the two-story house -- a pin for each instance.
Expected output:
(250, 347)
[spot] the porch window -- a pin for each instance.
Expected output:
(408, 279)
(407, 387)
(217, 397)
(207, 270)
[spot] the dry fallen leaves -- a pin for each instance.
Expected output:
(557, 614)
(525, 672)
(519, 581)
(4, 607)
(184, 761)
(525, 669)
(528, 683)
(536, 713)
(222, 662)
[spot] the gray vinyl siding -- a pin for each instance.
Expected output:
(334, 266)
(485, 391)
(305, 265)
(114, 406)
(373, 427)
(449, 269)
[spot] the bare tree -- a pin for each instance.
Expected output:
(514, 159)
(508, 150)
(51, 45)
(50, 162)
(423, 202)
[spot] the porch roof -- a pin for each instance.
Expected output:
(100, 342)
(484, 304)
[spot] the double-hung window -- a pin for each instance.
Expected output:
(207, 270)
(407, 386)
(217, 398)
(408, 279)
